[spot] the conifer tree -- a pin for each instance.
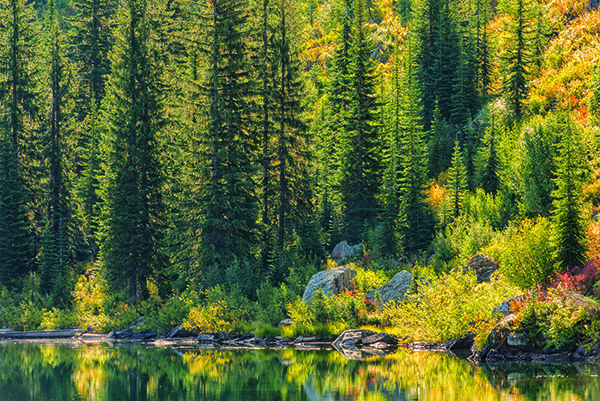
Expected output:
(19, 110)
(57, 247)
(487, 177)
(568, 223)
(439, 142)
(360, 164)
(15, 237)
(133, 209)
(516, 57)
(93, 21)
(417, 224)
(229, 199)
(457, 183)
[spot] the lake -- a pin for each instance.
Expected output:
(48, 371)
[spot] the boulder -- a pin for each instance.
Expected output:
(180, 331)
(343, 252)
(352, 337)
(483, 267)
(330, 281)
(286, 322)
(504, 307)
(393, 290)
(380, 340)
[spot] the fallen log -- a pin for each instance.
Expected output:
(39, 334)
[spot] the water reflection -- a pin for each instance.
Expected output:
(132, 373)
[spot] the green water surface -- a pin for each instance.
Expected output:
(33, 371)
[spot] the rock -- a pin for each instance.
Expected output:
(462, 343)
(393, 290)
(343, 252)
(483, 267)
(504, 307)
(286, 322)
(330, 281)
(144, 335)
(520, 341)
(180, 331)
(352, 337)
(380, 338)
(206, 338)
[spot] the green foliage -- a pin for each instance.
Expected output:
(525, 254)
(448, 307)
(457, 183)
(272, 303)
(569, 227)
(367, 280)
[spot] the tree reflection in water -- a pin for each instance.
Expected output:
(30, 371)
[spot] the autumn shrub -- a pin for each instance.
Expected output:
(367, 280)
(525, 255)
(90, 302)
(448, 307)
(54, 319)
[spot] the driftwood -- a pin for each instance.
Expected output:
(39, 334)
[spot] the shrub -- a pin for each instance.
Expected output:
(525, 257)
(367, 280)
(448, 307)
(57, 319)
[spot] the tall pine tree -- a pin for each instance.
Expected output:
(360, 164)
(133, 209)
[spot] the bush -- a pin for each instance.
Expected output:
(525, 256)
(448, 307)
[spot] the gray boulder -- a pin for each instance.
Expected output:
(352, 337)
(395, 289)
(330, 281)
(344, 252)
(483, 267)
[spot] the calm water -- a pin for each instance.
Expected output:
(123, 372)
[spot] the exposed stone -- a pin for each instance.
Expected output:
(393, 290)
(519, 340)
(343, 252)
(380, 338)
(352, 337)
(462, 343)
(206, 337)
(504, 307)
(286, 322)
(483, 267)
(180, 331)
(330, 281)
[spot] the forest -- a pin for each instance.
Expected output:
(196, 161)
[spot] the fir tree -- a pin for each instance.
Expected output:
(416, 221)
(487, 177)
(133, 209)
(229, 199)
(93, 21)
(439, 144)
(516, 57)
(360, 165)
(568, 224)
(457, 183)
(56, 250)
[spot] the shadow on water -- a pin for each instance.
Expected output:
(133, 372)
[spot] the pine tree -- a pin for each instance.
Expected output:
(457, 183)
(416, 221)
(57, 247)
(93, 21)
(19, 111)
(229, 200)
(360, 164)
(439, 144)
(133, 209)
(15, 237)
(487, 176)
(516, 57)
(568, 223)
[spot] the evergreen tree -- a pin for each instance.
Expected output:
(133, 209)
(93, 23)
(568, 224)
(439, 144)
(360, 164)
(416, 221)
(457, 183)
(56, 249)
(488, 178)
(229, 199)
(482, 54)
(516, 57)
(15, 237)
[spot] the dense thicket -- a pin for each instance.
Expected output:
(179, 145)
